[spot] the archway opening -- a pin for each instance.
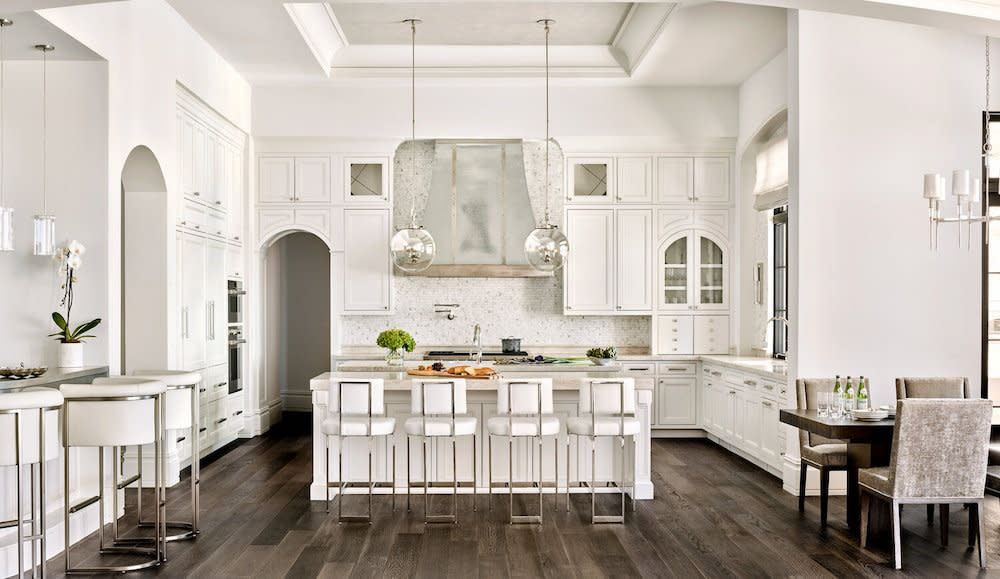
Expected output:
(296, 317)
(143, 262)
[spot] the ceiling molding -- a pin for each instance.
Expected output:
(485, 71)
(642, 27)
(319, 29)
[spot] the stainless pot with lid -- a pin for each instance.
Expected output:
(511, 345)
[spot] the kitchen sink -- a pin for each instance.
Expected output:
(454, 355)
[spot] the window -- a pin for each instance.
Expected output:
(780, 328)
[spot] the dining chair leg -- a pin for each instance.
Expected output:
(489, 471)
(973, 524)
(930, 515)
(802, 487)
(896, 542)
(981, 520)
(945, 509)
(865, 509)
(408, 473)
(475, 476)
(393, 443)
(824, 494)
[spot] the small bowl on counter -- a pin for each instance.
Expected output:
(602, 361)
(21, 372)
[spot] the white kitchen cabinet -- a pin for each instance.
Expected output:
(635, 179)
(770, 448)
(711, 180)
(693, 180)
(674, 180)
(368, 282)
(312, 180)
(693, 272)
(366, 180)
(590, 179)
(276, 179)
(675, 334)
(216, 174)
(677, 401)
(748, 421)
(725, 412)
(235, 193)
(234, 261)
(216, 334)
(634, 260)
(711, 334)
(193, 299)
(590, 270)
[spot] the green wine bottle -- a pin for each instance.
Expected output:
(849, 396)
(863, 401)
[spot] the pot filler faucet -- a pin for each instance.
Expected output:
(477, 342)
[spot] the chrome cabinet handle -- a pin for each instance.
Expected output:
(220, 384)
(716, 373)
(218, 202)
(675, 369)
(749, 382)
(769, 386)
(221, 420)
(766, 403)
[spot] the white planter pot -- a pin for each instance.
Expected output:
(70, 355)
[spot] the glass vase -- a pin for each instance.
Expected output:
(394, 357)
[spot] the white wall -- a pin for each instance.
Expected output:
(895, 102)
(149, 48)
(77, 157)
(761, 97)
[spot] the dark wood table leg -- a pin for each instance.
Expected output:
(863, 455)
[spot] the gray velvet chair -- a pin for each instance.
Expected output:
(935, 387)
(824, 454)
(939, 452)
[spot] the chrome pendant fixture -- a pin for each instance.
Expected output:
(45, 224)
(412, 248)
(546, 247)
(6, 213)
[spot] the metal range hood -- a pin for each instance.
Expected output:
(479, 199)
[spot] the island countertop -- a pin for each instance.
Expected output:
(402, 381)
(56, 376)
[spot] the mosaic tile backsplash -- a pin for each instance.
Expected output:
(526, 308)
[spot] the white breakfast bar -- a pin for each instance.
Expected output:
(482, 400)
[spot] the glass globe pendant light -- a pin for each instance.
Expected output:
(412, 248)
(45, 224)
(6, 213)
(546, 247)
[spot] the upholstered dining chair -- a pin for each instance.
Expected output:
(823, 454)
(935, 387)
(939, 452)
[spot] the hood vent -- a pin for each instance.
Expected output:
(479, 199)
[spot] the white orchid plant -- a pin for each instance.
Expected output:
(70, 259)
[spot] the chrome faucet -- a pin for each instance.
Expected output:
(477, 341)
(777, 319)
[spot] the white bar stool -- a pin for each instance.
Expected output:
(29, 431)
(118, 414)
(181, 410)
(355, 409)
(441, 408)
(611, 405)
(525, 411)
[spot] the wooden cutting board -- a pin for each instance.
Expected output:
(436, 374)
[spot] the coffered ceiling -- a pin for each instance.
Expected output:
(644, 43)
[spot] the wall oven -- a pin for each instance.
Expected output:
(236, 343)
(236, 294)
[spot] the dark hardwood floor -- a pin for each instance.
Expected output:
(714, 515)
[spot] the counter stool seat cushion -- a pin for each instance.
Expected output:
(110, 422)
(876, 478)
(522, 426)
(826, 454)
(993, 479)
(170, 377)
(126, 387)
(606, 426)
(29, 400)
(437, 426)
(358, 426)
(177, 412)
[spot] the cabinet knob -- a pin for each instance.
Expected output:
(618, 307)
(196, 194)
(218, 202)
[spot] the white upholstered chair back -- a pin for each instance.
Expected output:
(445, 396)
(524, 396)
(30, 402)
(356, 397)
(940, 448)
(604, 396)
(177, 401)
(116, 414)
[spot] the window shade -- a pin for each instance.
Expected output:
(771, 186)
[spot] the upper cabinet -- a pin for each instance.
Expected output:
(635, 180)
(294, 179)
(693, 180)
(590, 179)
(694, 272)
(366, 180)
(367, 265)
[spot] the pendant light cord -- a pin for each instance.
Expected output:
(987, 145)
(45, 48)
(4, 23)
(413, 123)
(547, 122)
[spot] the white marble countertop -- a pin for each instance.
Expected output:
(55, 377)
(372, 366)
(401, 381)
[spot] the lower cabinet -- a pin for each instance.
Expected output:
(740, 411)
(676, 402)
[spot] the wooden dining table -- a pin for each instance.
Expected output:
(868, 444)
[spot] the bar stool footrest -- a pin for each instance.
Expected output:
(83, 504)
(128, 481)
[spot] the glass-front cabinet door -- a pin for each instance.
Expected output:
(711, 289)
(590, 179)
(675, 273)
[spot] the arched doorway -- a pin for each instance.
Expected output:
(297, 314)
(143, 262)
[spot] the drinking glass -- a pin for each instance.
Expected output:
(836, 406)
(823, 404)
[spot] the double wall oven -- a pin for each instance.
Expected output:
(237, 295)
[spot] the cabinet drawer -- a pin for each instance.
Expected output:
(769, 389)
(639, 368)
(675, 334)
(215, 223)
(711, 372)
(193, 216)
(667, 369)
(711, 334)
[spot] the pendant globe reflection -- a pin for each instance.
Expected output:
(546, 248)
(412, 249)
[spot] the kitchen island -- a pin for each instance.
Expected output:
(482, 404)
